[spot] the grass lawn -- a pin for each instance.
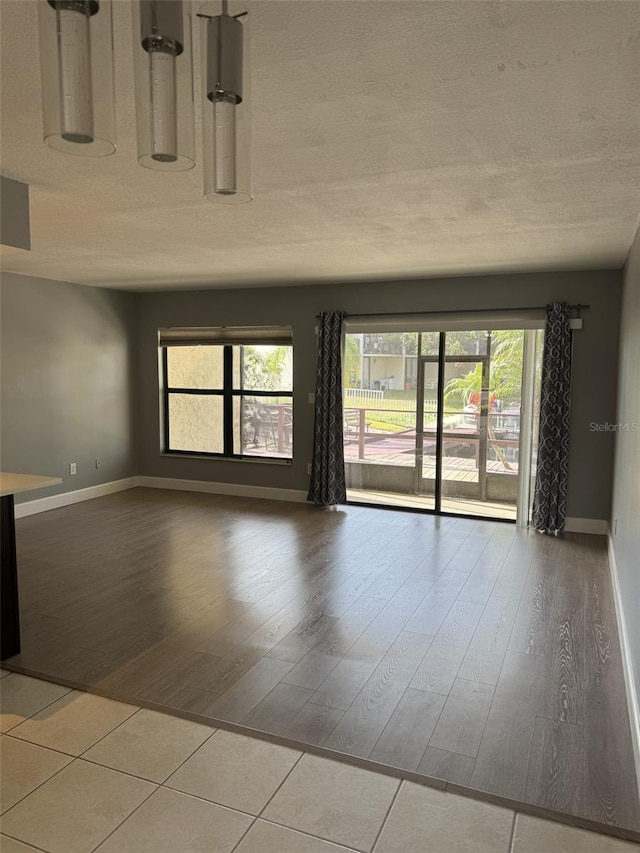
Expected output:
(397, 410)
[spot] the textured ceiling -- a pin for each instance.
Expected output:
(390, 139)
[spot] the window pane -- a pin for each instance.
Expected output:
(377, 362)
(466, 343)
(352, 378)
(196, 367)
(263, 426)
(196, 423)
(236, 367)
(430, 343)
(381, 361)
(264, 368)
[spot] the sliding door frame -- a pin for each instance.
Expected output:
(419, 462)
(483, 414)
(525, 447)
(527, 403)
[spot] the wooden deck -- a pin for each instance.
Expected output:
(467, 653)
(400, 449)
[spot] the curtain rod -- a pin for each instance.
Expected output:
(578, 307)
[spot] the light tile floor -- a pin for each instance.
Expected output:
(81, 773)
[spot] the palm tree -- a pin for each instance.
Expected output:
(505, 380)
(266, 368)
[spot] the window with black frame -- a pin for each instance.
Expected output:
(228, 392)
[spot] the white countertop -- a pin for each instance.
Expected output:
(12, 483)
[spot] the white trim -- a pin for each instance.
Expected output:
(633, 701)
(267, 492)
(599, 526)
(573, 525)
(67, 498)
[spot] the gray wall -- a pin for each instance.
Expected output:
(67, 381)
(596, 347)
(626, 489)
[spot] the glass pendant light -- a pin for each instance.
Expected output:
(164, 84)
(76, 59)
(225, 106)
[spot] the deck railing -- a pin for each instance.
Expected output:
(363, 393)
(466, 425)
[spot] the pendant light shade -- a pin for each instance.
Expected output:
(76, 58)
(164, 84)
(226, 102)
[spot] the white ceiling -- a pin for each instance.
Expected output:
(391, 139)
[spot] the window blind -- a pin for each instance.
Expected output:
(211, 336)
(453, 321)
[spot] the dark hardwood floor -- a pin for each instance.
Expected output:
(464, 650)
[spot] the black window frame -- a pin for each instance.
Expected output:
(228, 393)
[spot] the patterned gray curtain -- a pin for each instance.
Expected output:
(327, 486)
(550, 496)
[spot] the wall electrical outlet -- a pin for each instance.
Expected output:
(72, 468)
(615, 527)
(312, 398)
(309, 468)
(98, 462)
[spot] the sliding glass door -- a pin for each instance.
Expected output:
(433, 420)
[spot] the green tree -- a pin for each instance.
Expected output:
(352, 358)
(267, 368)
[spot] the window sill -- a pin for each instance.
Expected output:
(261, 460)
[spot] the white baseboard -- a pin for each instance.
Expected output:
(633, 700)
(68, 498)
(587, 525)
(573, 525)
(267, 492)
